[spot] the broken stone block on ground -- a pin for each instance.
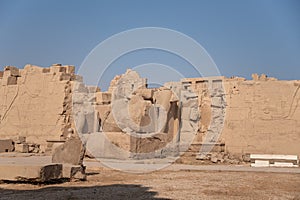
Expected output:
(74, 172)
(22, 148)
(6, 145)
(71, 152)
(28, 172)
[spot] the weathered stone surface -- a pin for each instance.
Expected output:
(260, 119)
(22, 148)
(136, 109)
(13, 71)
(103, 97)
(162, 97)
(93, 89)
(70, 69)
(34, 103)
(214, 159)
(87, 119)
(139, 113)
(255, 77)
(34, 148)
(6, 145)
(109, 124)
(27, 172)
(74, 172)
(123, 90)
(102, 113)
(79, 88)
(71, 152)
(10, 80)
(108, 145)
(146, 93)
(248, 116)
(19, 139)
(201, 157)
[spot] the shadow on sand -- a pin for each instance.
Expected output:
(116, 191)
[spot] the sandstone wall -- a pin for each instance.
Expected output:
(36, 102)
(247, 116)
(262, 116)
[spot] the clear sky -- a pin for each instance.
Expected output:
(242, 37)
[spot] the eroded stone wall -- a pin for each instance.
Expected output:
(262, 116)
(36, 102)
(241, 116)
(146, 119)
(249, 116)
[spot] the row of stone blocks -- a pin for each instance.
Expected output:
(273, 160)
(41, 172)
(11, 74)
(66, 162)
(18, 145)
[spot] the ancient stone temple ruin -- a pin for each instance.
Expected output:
(209, 118)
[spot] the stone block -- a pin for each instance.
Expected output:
(20, 139)
(217, 102)
(71, 152)
(55, 145)
(93, 89)
(6, 145)
(65, 77)
(70, 69)
(56, 68)
(110, 125)
(22, 148)
(1, 74)
(52, 144)
(201, 156)
(246, 158)
(33, 148)
(27, 172)
(13, 71)
(145, 93)
(46, 70)
(12, 80)
(9, 80)
(162, 98)
(74, 172)
(103, 97)
(260, 163)
(77, 78)
(214, 159)
(283, 164)
(263, 77)
(79, 87)
(255, 77)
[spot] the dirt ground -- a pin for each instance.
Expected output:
(167, 184)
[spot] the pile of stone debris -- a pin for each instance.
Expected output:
(65, 163)
(18, 144)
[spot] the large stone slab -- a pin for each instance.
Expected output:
(274, 160)
(28, 172)
(71, 152)
(6, 145)
(74, 172)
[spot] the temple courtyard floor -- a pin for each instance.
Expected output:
(176, 181)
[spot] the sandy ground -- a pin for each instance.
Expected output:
(164, 184)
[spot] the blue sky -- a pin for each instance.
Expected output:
(242, 37)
